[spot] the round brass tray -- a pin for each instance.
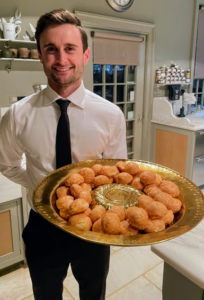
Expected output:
(190, 215)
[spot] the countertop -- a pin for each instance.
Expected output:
(9, 190)
(185, 254)
(163, 114)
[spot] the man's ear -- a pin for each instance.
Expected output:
(86, 55)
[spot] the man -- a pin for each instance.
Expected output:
(97, 129)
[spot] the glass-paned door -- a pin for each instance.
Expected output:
(123, 85)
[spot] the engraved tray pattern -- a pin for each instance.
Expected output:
(191, 214)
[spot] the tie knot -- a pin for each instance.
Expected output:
(63, 104)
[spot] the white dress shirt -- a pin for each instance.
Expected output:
(97, 129)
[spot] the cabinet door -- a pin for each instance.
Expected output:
(11, 246)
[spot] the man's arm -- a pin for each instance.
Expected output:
(117, 146)
(12, 164)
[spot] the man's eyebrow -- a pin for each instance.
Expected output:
(53, 45)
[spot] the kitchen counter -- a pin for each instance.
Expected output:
(163, 114)
(9, 190)
(183, 265)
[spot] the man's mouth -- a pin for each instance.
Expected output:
(63, 69)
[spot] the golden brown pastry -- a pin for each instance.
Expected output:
(170, 188)
(75, 190)
(136, 183)
(88, 174)
(64, 202)
(127, 229)
(168, 218)
(62, 191)
(171, 203)
(147, 177)
(131, 168)
(137, 217)
(87, 211)
(97, 212)
(82, 221)
(64, 214)
(123, 178)
(110, 223)
(86, 186)
(143, 200)
(96, 168)
(121, 165)
(119, 210)
(74, 179)
(101, 180)
(86, 196)
(151, 190)
(109, 171)
(156, 209)
(97, 227)
(155, 225)
(158, 179)
(78, 206)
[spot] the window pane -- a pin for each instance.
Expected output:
(131, 74)
(129, 145)
(98, 90)
(130, 111)
(120, 74)
(109, 73)
(97, 73)
(121, 106)
(129, 128)
(130, 93)
(109, 93)
(120, 93)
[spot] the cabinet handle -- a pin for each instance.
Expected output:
(201, 132)
(199, 159)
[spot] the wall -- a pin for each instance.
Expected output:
(174, 22)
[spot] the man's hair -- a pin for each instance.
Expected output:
(58, 17)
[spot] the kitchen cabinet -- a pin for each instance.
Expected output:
(174, 148)
(11, 226)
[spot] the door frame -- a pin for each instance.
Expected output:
(95, 21)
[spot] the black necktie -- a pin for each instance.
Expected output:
(63, 143)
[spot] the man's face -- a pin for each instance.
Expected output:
(62, 56)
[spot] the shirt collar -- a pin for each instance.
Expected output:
(77, 97)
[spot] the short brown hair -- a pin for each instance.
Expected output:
(58, 17)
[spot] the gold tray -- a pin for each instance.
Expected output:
(190, 215)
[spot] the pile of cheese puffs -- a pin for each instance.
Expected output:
(154, 211)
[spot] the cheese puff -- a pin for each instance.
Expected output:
(168, 218)
(62, 191)
(87, 211)
(155, 225)
(81, 221)
(78, 206)
(127, 229)
(64, 214)
(124, 178)
(151, 190)
(158, 179)
(121, 165)
(64, 202)
(86, 186)
(97, 227)
(74, 179)
(96, 168)
(170, 188)
(100, 180)
(171, 203)
(86, 196)
(136, 183)
(110, 223)
(143, 201)
(156, 209)
(118, 210)
(109, 171)
(88, 174)
(75, 190)
(137, 217)
(131, 168)
(97, 212)
(147, 177)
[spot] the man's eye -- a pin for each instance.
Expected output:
(50, 49)
(69, 49)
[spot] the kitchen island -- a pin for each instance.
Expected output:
(183, 277)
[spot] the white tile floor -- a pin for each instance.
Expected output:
(135, 273)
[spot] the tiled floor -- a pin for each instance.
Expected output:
(135, 273)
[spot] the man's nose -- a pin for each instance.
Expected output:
(61, 56)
